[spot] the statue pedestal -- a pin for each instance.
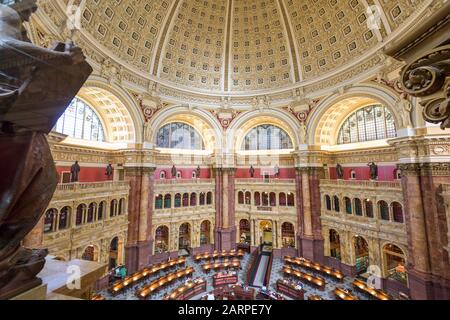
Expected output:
(57, 274)
(37, 293)
(61, 278)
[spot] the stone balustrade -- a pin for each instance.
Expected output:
(358, 184)
(263, 181)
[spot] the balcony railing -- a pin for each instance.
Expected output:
(183, 181)
(361, 184)
(265, 181)
(446, 189)
(92, 185)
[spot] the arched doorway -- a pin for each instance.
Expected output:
(49, 220)
(244, 231)
(113, 253)
(361, 254)
(395, 263)
(335, 244)
(288, 235)
(162, 239)
(266, 232)
(205, 233)
(184, 237)
(64, 218)
(89, 254)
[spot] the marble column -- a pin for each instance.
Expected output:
(140, 211)
(428, 266)
(308, 213)
(225, 238)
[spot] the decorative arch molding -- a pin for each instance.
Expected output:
(326, 118)
(403, 247)
(249, 120)
(200, 119)
(124, 120)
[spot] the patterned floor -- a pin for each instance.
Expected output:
(275, 275)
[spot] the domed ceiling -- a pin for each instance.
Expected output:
(243, 47)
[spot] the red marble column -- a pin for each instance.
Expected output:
(314, 183)
(225, 231)
(139, 246)
(299, 207)
(308, 213)
(428, 264)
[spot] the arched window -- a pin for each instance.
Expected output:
(272, 199)
(184, 236)
(91, 212)
(290, 199)
(328, 202)
(248, 197)
(358, 207)
(89, 254)
(369, 123)
(288, 235)
(282, 199)
(244, 231)
(159, 201)
(336, 204)
(162, 175)
(361, 254)
(205, 233)
(49, 220)
(177, 202)
(81, 209)
(101, 210)
(209, 198)
(395, 262)
(193, 201)
(113, 208)
(398, 212)
(348, 205)
(167, 201)
(335, 244)
(369, 208)
(80, 121)
(202, 198)
(161, 239)
(121, 206)
(64, 218)
(384, 210)
(257, 199)
(185, 199)
(267, 137)
(178, 135)
(240, 197)
(265, 199)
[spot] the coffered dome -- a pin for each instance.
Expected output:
(243, 47)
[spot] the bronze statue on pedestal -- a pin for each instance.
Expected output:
(36, 86)
(373, 170)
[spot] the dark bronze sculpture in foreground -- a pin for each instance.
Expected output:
(36, 86)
